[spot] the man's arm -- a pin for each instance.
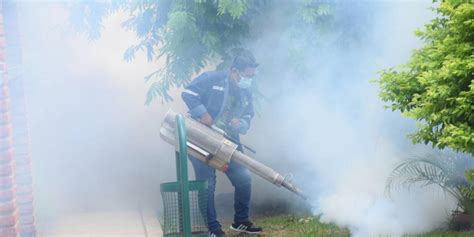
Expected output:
(193, 95)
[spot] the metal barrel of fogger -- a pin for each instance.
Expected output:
(213, 148)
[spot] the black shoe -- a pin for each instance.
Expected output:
(217, 233)
(246, 227)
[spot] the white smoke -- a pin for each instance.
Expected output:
(92, 135)
(333, 133)
(95, 145)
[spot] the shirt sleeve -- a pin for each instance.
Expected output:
(194, 93)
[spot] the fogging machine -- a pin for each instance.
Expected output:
(216, 150)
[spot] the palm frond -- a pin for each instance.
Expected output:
(423, 172)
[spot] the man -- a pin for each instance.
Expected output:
(223, 99)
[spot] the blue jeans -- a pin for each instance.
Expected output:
(239, 176)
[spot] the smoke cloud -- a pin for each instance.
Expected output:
(96, 146)
(332, 132)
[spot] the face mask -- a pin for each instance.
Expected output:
(245, 82)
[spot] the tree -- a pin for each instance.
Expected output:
(189, 34)
(436, 86)
(192, 34)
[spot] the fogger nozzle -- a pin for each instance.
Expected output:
(214, 149)
(290, 186)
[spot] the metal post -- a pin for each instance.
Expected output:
(182, 172)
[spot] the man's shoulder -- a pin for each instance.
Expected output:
(215, 75)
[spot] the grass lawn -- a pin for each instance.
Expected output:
(304, 226)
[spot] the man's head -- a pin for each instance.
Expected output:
(243, 68)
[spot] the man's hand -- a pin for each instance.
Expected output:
(206, 119)
(235, 123)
